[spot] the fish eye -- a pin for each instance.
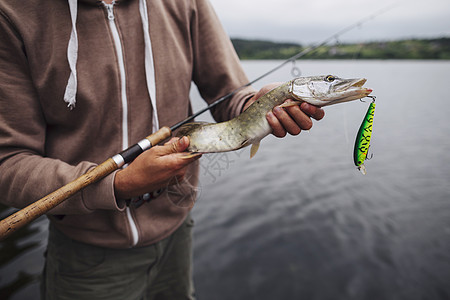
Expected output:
(330, 78)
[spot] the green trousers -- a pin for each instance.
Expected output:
(75, 270)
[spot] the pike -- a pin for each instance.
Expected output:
(250, 127)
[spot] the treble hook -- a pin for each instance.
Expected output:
(372, 97)
(371, 154)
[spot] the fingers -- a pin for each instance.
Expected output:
(175, 149)
(290, 120)
(175, 145)
(313, 111)
(297, 117)
(192, 155)
(293, 119)
(277, 129)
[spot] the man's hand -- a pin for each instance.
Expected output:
(156, 168)
(292, 119)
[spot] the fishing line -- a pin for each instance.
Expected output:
(292, 59)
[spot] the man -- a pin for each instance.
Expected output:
(82, 80)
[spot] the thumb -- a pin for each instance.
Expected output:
(177, 145)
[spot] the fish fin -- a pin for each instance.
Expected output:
(254, 149)
(290, 103)
(189, 127)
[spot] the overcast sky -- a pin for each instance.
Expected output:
(312, 21)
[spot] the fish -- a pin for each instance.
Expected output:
(251, 126)
(362, 141)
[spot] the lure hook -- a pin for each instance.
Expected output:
(369, 155)
(372, 97)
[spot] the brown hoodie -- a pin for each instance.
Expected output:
(44, 144)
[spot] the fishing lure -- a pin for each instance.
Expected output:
(362, 142)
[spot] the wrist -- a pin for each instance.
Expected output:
(120, 184)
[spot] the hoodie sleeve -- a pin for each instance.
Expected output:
(217, 69)
(26, 174)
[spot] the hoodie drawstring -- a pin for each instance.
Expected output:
(72, 57)
(149, 65)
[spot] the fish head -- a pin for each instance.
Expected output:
(328, 89)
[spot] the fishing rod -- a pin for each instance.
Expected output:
(293, 58)
(40, 207)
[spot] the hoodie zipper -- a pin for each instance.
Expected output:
(118, 46)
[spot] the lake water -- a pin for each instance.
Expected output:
(298, 221)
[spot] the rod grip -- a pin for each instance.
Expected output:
(42, 206)
(159, 136)
(36, 209)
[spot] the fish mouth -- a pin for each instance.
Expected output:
(352, 83)
(351, 89)
(357, 84)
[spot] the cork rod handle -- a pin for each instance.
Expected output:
(42, 206)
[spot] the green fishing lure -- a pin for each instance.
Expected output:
(362, 142)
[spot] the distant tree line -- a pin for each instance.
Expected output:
(438, 48)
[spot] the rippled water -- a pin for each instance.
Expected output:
(298, 221)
